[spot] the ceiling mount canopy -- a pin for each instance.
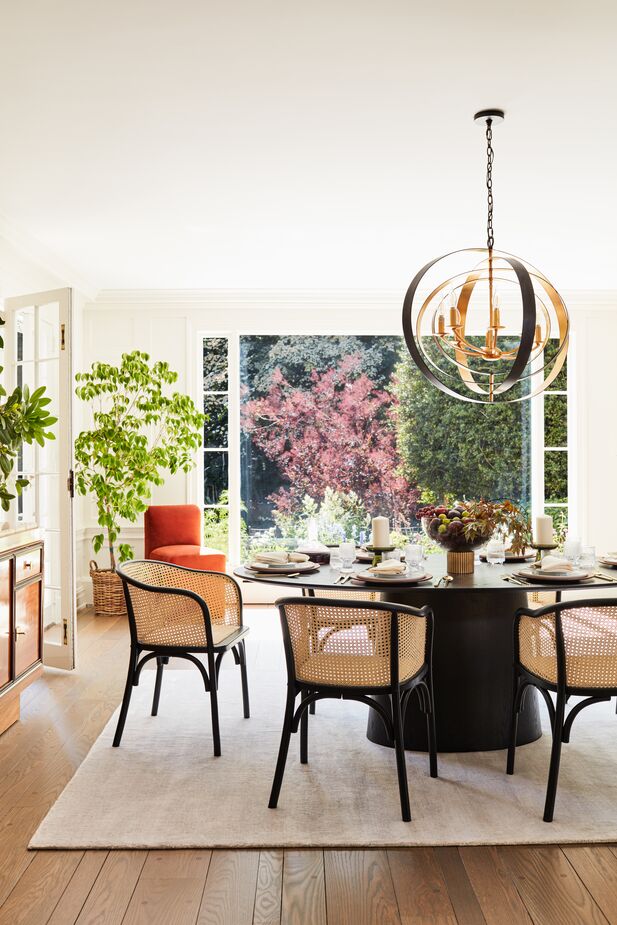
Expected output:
(492, 327)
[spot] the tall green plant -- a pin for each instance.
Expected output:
(24, 418)
(139, 431)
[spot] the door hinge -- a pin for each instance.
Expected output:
(65, 631)
(62, 337)
(70, 483)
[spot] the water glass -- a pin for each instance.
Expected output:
(414, 554)
(348, 556)
(587, 558)
(496, 552)
(336, 560)
(572, 549)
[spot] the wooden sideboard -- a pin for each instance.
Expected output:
(21, 618)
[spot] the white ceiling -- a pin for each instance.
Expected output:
(280, 144)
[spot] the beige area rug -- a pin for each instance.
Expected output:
(163, 788)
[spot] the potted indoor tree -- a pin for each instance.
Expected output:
(24, 418)
(140, 430)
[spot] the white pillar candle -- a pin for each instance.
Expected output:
(543, 531)
(381, 531)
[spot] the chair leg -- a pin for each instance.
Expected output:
(283, 749)
(312, 707)
(431, 729)
(126, 699)
(399, 747)
(517, 693)
(245, 681)
(214, 706)
(304, 733)
(553, 774)
(160, 662)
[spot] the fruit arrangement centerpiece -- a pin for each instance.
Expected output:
(454, 527)
(465, 526)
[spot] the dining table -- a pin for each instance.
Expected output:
(473, 646)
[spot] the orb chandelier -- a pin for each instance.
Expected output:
(492, 327)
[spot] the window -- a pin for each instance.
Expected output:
(555, 446)
(216, 441)
(333, 429)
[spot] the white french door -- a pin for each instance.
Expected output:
(38, 353)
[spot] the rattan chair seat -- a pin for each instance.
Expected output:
(583, 671)
(194, 635)
(352, 670)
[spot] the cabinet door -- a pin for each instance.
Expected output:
(27, 626)
(5, 621)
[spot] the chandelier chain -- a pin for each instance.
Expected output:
(490, 156)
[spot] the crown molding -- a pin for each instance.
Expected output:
(32, 249)
(367, 297)
(364, 299)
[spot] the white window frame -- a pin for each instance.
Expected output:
(537, 449)
(539, 505)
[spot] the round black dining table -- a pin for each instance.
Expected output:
(473, 648)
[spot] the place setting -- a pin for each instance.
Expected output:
(287, 564)
(389, 564)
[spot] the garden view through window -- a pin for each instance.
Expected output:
(335, 429)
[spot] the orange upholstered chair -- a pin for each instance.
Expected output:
(172, 533)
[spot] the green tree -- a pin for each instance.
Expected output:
(139, 431)
(453, 447)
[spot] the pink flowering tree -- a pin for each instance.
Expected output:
(337, 434)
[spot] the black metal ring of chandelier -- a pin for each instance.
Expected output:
(537, 295)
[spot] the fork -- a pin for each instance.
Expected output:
(604, 577)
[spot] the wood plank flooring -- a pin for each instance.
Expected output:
(63, 713)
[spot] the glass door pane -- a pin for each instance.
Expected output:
(39, 347)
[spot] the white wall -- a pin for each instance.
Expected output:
(167, 325)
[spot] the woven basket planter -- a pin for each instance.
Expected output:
(108, 594)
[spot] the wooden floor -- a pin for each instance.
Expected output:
(63, 714)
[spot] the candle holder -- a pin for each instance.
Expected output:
(378, 552)
(542, 548)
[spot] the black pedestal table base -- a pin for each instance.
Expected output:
(472, 673)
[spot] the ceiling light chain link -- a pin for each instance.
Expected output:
(490, 155)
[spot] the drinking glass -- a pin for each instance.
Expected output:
(587, 558)
(336, 560)
(496, 552)
(414, 554)
(572, 549)
(348, 555)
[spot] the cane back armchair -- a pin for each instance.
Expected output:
(569, 649)
(349, 650)
(180, 612)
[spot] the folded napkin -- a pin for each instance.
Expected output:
(389, 567)
(280, 558)
(555, 564)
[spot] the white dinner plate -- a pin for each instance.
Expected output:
(366, 576)
(284, 568)
(556, 575)
(608, 561)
